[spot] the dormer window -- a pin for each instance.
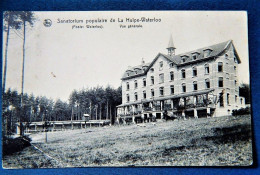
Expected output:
(171, 65)
(128, 74)
(136, 72)
(207, 52)
(195, 55)
(184, 58)
(152, 69)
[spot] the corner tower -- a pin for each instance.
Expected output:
(171, 48)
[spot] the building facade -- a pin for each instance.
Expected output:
(199, 83)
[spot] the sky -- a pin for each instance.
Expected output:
(59, 59)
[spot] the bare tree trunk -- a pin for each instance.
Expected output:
(6, 49)
(96, 111)
(110, 115)
(100, 112)
(71, 113)
(107, 111)
(21, 127)
(90, 110)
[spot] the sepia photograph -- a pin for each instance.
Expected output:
(125, 89)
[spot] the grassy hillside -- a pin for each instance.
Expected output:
(197, 142)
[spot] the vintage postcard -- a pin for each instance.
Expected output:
(121, 88)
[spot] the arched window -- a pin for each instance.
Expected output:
(152, 80)
(161, 78)
(136, 85)
(127, 98)
(144, 94)
(195, 86)
(235, 82)
(152, 93)
(235, 98)
(183, 75)
(127, 86)
(228, 98)
(172, 89)
(194, 71)
(161, 91)
(220, 67)
(144, 82)
(206, 69)
(183, 87)
(136, 96)
(220, 82)
(207, 83)
(171, 76)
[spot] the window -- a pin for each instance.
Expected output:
(235, 82)
(183, 59)
(161, 64)
(194, 57)
(207, 83)
(235, 69)
(161, 77)
(220, 67)
(144, 94)
(195, 86)
(136, 85)
(228, 98)
(128, 74)
(136, 96)
(152, 69)
(235, 98)
(152, 80)
(172, 89)
(206, 69)
(127, 98)
(171, 76)
(207, 53)
(152, 93)
(171, 65)
(136, 72)
(183, 87)
(161, 91)
(221, 100)
(226, 56)
(241, 101)
(144, 82)
(194, 71)
(183, 75)
(227, 75)
(220, 82)
(127, 86)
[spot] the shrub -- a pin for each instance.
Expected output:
(12, 145)
(241, 111)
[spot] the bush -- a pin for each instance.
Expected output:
(12, 145)
(241, 111)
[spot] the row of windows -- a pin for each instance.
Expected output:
(194, 57)
(221, 98)
(183, 75)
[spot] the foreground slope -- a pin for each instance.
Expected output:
(219, 141)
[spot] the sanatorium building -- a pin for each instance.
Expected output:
(199, 83)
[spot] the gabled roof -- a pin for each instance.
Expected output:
(216, 50)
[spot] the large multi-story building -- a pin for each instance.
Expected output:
(199, 83)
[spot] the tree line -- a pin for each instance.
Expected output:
(98, 102)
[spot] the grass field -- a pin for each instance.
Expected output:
(224, 141)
